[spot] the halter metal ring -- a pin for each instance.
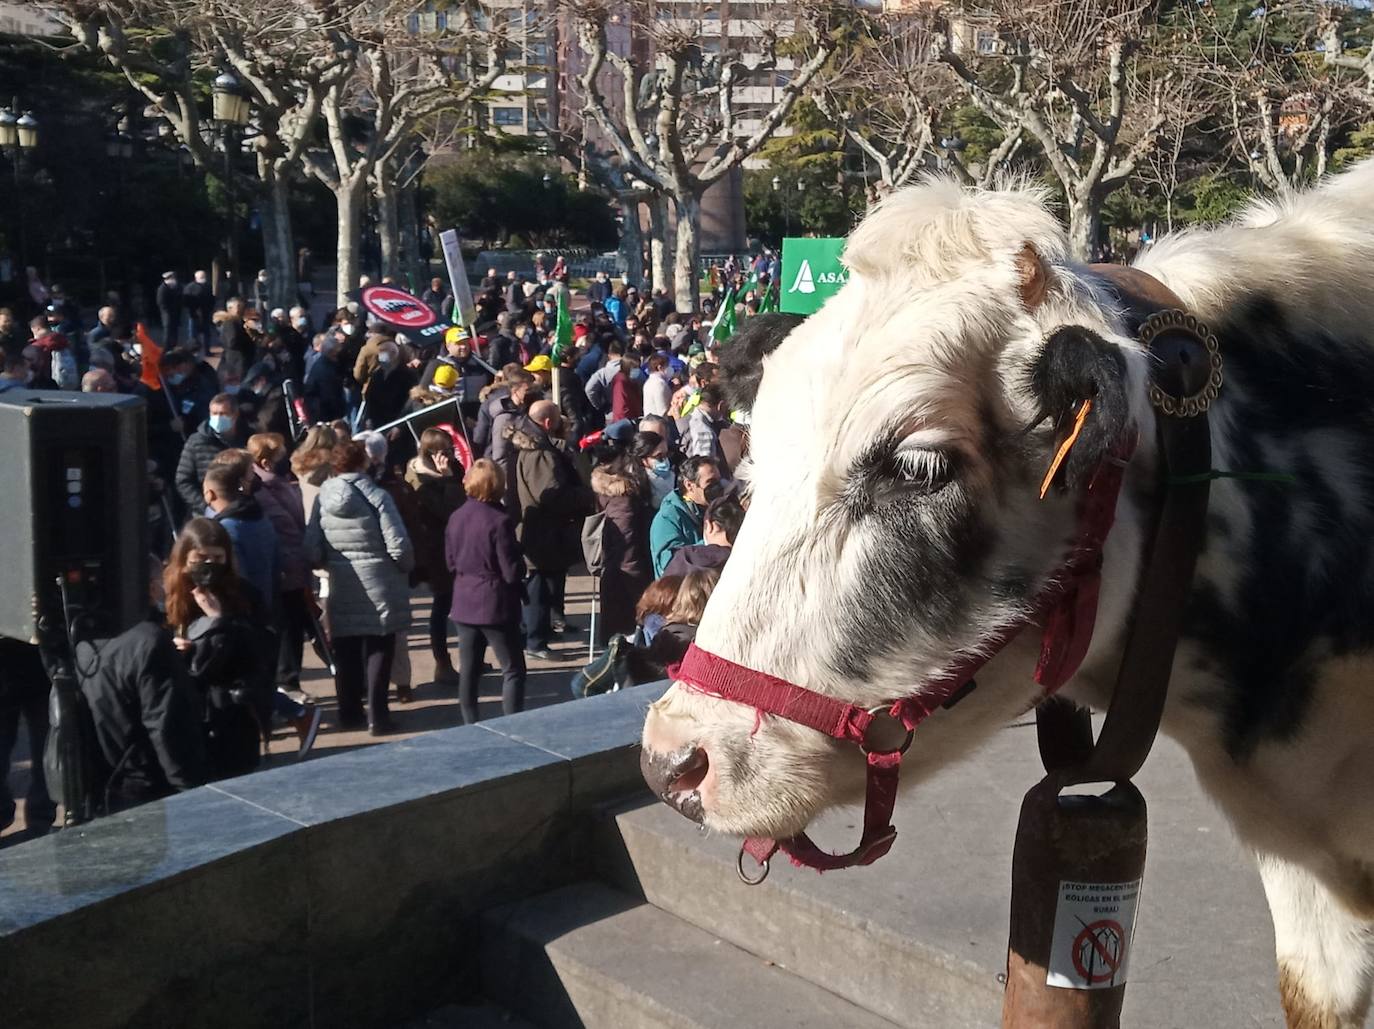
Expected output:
(884, 709)
(744, 876)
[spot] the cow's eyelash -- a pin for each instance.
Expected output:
(924, 468)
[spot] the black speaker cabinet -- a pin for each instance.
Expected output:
(73, 505)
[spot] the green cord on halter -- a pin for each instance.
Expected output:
(1278, 478)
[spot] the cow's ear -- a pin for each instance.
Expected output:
(741, 360)
(1078, 365)
(1033, 277)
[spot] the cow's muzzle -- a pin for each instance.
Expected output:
(676, 777)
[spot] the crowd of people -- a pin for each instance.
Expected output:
(294, 499)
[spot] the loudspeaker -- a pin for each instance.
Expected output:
(74, 506)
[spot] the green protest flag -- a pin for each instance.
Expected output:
(811, 273)
(724, 325)
(563, 331)
(769, 303)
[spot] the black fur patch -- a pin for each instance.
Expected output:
(1306, 576)
(1077, 364)
(741, 359)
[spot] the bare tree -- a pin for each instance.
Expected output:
(400, 79)
(677, 124)
(167, 50)
(1284, 99)
(892, 98)
(1084, 79)
(1336, 23)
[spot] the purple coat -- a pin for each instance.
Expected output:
(488, 569)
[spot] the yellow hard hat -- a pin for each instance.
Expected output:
(445, 376)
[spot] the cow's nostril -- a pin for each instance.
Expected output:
(690, 772)
(676, 777)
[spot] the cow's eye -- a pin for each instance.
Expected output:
(927, 471)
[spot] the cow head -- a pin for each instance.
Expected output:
(898, 440)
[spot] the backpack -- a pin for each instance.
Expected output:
(609, 673)
(593, 542)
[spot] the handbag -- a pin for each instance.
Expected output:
(608, 673)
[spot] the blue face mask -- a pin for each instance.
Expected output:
(663, 467)
(221, 423)
(176, 378)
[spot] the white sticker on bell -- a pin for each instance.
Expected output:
(1094, 924)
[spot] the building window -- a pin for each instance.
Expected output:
(987, 42)
(508, 117)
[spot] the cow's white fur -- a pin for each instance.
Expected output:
(931, 314)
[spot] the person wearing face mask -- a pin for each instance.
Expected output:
(679, 520)
(218, 432)
(387, 387)
(220, 630)
(262, 291)
(551, 502)
(651, 451)
(144, 713)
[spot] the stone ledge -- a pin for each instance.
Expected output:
(307, 894)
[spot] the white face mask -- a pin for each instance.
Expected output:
(347, 328)
(385, 357)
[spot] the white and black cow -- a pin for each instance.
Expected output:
(897, 443)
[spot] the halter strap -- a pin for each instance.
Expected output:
(1067, 609)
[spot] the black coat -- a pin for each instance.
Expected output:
(169, 300)
(146, 714)
(196, 456)
(386, 393)
(502, 349)
(199, 300)
(623, 496)
(323, 391)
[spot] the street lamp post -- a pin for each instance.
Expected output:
(230, 100)
(18, 134)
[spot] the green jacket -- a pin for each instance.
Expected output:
(677, 525)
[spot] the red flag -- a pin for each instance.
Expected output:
(152, 358)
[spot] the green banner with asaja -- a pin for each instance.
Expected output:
(811, 273)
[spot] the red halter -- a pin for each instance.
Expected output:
(1066, 608)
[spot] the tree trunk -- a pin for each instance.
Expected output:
(278, 241)
(412, 264)
(687, 257)
(348, 199)
(388, 220)
(1084, 218)
(631, 242)
(660, 245)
